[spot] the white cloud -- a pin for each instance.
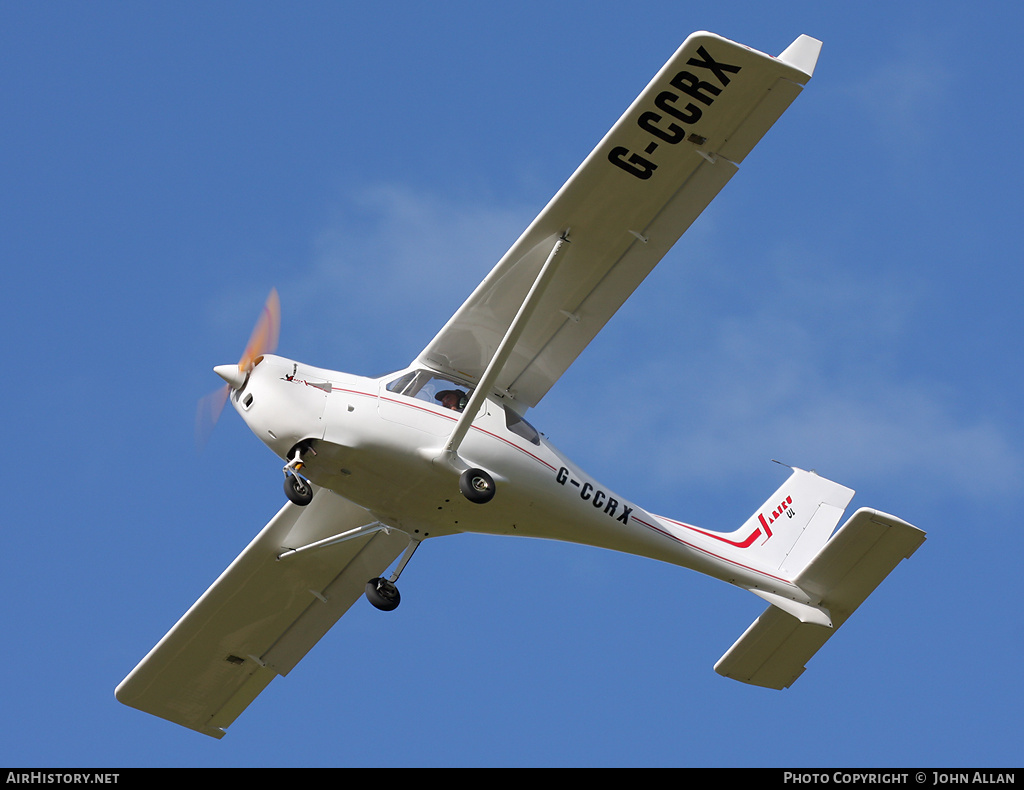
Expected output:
(394, 266)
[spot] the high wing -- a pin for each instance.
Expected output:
(264, 613)
(632, 198)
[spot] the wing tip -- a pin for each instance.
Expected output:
(802, 54)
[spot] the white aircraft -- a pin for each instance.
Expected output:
(376, 466)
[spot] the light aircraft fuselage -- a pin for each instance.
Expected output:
(382, 449)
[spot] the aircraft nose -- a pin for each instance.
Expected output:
(231, 374)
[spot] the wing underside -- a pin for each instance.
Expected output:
(632, 198)
(263, 614)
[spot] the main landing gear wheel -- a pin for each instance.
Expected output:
(383, 594)
(298, 490)
(477, 486)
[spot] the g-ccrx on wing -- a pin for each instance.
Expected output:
(632, 198)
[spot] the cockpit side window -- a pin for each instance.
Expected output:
(520, 427)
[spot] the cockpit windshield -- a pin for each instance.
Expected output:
(428, 386)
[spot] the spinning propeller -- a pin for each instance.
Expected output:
(263, 340)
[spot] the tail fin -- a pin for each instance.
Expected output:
(795, 522)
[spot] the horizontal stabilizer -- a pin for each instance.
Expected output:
(774, 651)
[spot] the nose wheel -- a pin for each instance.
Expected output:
(297, 488)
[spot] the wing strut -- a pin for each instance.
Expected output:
(351, 534)
(360, 532)
(504, 350)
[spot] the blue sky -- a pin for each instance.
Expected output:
(850, 303)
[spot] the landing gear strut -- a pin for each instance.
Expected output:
(382, 592)
(297, 488)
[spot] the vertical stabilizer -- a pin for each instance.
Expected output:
(794, 522)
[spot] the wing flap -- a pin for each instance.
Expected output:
(632, 198)
(261, 616)
(774, 650)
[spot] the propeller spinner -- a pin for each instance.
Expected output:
(263, 340)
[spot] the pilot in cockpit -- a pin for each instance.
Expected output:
(452, 399)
